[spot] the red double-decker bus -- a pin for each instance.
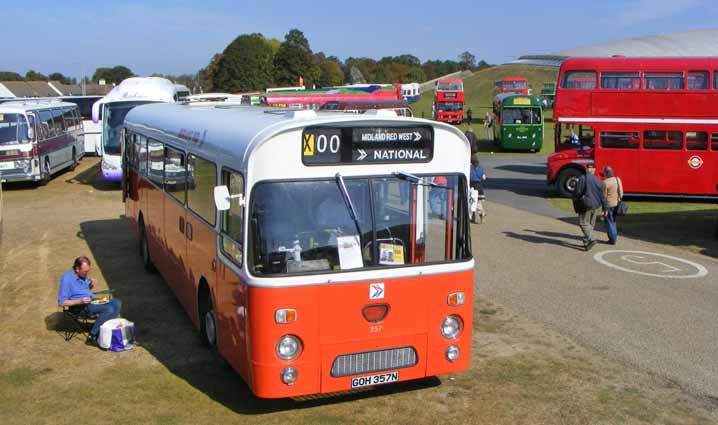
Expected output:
(449, 101)
(654, 120)
(511, 85)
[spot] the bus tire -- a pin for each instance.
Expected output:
(207, 318)
(145, 250)
(74, 163)
(566, 182)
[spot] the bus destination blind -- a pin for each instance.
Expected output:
(362, 145)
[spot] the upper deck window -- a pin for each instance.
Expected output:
(621, 80)
(450, 86)
(515, 85)
(307, 227)
(698, 80)
(579, 80)
(663, 81)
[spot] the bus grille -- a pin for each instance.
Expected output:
(373, 361)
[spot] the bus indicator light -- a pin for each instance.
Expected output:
(455, 299)
(285, 315)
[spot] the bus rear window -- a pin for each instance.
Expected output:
(619, 139)
(663, 81)
(668, 140)
(579, 80)
(621, 80)
(299, 227)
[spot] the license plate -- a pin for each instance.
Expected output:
(382, 378)
(7, 165)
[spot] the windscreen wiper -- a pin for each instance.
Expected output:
(417, 180)
(348, 202)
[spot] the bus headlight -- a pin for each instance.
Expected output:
(451, 327)
(22, 163)
(452, 353)
(288, 347)
(289, 375)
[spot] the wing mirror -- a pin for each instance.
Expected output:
(222, 198)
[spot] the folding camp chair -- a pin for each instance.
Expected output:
(80, 319)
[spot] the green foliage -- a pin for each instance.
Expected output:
(467, 60)
(58, 76)
(34, 76)
(245, 65)
(10, 76)
(294, 60)
(205, 76)
(188, 80)
(113, 75)
(331, 73)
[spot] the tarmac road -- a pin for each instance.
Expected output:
(650, 308)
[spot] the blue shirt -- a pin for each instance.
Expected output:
(73, 287)
(476, 174)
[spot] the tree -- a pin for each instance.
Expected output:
(10, 76)
(331, 73)
(295, 59)
(113, 75)
(205, 76)
(58, 76)
(245, 65)
(467, 60)
(34, 76)
(365, 66)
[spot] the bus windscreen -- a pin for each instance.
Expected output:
(113, 119)
(13, 129)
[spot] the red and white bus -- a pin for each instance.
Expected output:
(654, 120)
(511, 85)
(449, 101)
(316, 252)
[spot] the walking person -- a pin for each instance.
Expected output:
(469, 114)
(476, 181)
(612, 189)
(487, 125)
(473, 141)
(587, 198)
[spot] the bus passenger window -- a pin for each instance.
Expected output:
(232, 219)
(201, 180)
(156, 170)
(142, 157)
(619, 139)
(175, 173)
(696, 141)
(664, 81)
(667, 140)
(698, 80)
(579, 80)
(714, 142)
(621, 80)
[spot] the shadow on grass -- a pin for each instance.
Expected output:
(695, 229)
(92, 177)
(165, 331)
(550, 238)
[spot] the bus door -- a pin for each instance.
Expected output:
(200, 234)
(620, 150)
(661, 161)
(698, 166)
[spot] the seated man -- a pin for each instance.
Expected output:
(75, 290)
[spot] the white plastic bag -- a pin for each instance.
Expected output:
(117, 335)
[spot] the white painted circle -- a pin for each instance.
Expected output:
(700, 270)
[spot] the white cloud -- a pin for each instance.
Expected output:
(648, 10)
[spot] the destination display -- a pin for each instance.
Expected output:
(361, 145)
(450, 95)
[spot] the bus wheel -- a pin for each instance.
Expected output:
(208, 321)
(74, 160)
(567, 180)
(145, 250)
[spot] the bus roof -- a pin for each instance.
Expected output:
(508, 99)
(26, 105)
(151, 89)
(637, 63)
(232, 132)
(361, 104)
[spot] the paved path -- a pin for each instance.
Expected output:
(535, 265)
(519, 182)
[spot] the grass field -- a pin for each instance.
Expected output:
(479, 94)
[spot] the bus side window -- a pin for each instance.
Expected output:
(232, 219)
(175, 173)
(141, 154)
(44, 125)
(156, 169)
(696, 141)
(714, 142)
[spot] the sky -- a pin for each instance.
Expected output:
(175, 37)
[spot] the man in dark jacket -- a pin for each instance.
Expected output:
(587, 198)
(473, 141)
